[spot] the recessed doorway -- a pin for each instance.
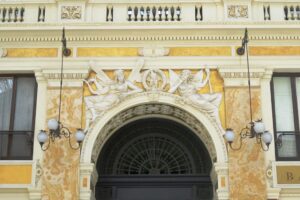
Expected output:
(154, 159)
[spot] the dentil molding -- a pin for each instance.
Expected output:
(71, 77)
(234, 77)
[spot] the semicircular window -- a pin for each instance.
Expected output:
(154, 154)
(153, 147)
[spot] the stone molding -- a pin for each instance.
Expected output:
(239, 77)
(82, 36)
(71, 78)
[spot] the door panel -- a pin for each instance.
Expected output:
(154, 193)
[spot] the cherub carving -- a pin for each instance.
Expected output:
(188, 85)
(107, 92)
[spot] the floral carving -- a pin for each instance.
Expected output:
(71, 12)
(237, 11)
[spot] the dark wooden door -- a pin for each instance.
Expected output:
(154, 188)
(154, 193)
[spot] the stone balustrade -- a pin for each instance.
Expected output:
(143, 12)
(292, 12)
(12, 14)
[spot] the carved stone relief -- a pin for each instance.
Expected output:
(38, 173)
(237, 11)
(71, 12)
(107, 92)
(154, 80)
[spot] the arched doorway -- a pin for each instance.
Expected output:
(154, 159)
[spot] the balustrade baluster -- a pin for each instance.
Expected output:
(22, 14)
(129, 13)
(178, 13)
(292, 13)
(172, 13)
(166, 12)
(136, 10)
(16, 12)
(153, 13)
(10, 12)
(160, 13)
(43, 13)
(148, 13)
(4, 14)
(142, 13)
(286, 12)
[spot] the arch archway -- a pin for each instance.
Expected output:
(154, 158)
(161, 105)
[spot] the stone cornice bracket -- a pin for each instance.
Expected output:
(71, 77)
(237, 77)
(154, 51)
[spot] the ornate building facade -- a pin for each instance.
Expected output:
(153, 84)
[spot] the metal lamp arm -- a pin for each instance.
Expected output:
(44, 147)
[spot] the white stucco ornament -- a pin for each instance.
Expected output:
(154, 80)
(3, 52)
(188, 85)
(107, 93)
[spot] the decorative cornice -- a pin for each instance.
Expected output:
(82, 32)
(146, 38)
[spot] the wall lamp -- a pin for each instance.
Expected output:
(254, 129)
(56, 128)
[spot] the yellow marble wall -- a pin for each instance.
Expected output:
(200, 51)
(15, 174)
(61, 178)
(246, 166)
(274, 50)
(31, 52)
